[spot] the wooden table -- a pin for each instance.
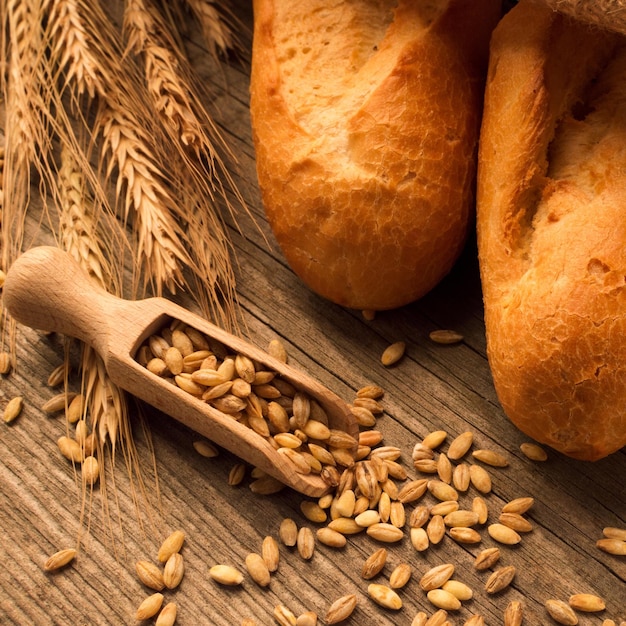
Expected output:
(433, 387)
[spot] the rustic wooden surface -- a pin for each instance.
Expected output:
(433, 387)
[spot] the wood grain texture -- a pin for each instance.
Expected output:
(433, 387)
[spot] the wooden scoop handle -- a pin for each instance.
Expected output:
(47, 290)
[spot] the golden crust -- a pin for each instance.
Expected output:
(367, 178)
(551, 222)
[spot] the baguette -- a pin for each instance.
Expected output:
(365, 120)
(551, 226)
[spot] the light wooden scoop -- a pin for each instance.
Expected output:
(47, 290)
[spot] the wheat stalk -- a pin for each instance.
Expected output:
(171, 84)
(85, 46)
(216, 25)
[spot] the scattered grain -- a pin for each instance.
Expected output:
(561, 612)
(384, 596)
(150, 575)
(514, 613)
(60, 559)
(374, 564)
(167, 616)
(13, 409)
(500, 579)
(443, 599)
(436, 576)
(258, 570)
(149, 607)
(587, 602)
(503, 534)
(393, 353)
(226, 575)
(534, 452)
(445, 337)
(173, 543)
(341, 609)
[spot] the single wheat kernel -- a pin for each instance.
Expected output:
(258, 570)
(436, 576)
(76, 409)
(277, 350)
(420, 619)
(442, 491)
(237, 474)
(444, 468)
(480, 478)
(445, 336)
(341, 609)
(90, 470)
(587, 602)
(460, 445)
(461, 517)
(205, 448)
(412, 490)
(503, 534)
(60, 559)
(515, 521)
(514, 613)
(57, 375)
(458, 589)
(443, 599)
(150, 575)
(490, 457)
(5, 363)
(270, 553)
(561, 612)
(58, 402)
(313, 511)
(436, 529)
(425, 466)
(479, 506)
(173, 543)
(330, 537)
(421, 452)
(309, 618)
(465, 535)
(444, 508)
(461, 477)
(385, 532)
(13, 409)
(374, 564)
(70, 449)
(419, 539)
(226, 575)
(393, 353)
(384, 596)
(434, 439)
(616, 547)
(475, 620)
(400, 576)
(149, 607)
(438, 618)
(419, 516)
(370, 438)
(534, 452)
(174, 570)
(368, 518)
(610, 532)
(487, 558)
(519, 505)
(284, 616)
(305, 543)
(288, 532)
(370, 391)
(167, 616)
(500, 579)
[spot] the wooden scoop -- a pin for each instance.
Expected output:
(46, 289)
